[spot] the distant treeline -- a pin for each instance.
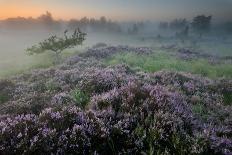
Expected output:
(47, 22)
(199, 23)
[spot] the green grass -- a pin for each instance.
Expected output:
(200, 110)
(162, 61)
(80, 97)
(16, 65)
(227, 97)
(3, 98)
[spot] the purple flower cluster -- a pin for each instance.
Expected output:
(67, 131)
(98, 80)
(134, 118)
(128, 112)
(108, 51)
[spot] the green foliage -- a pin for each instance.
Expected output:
(80, 97)
(3, 98)
(57, 44)
(162, 61)
(200, 110)
(227, 97)
(6, 87)
(52, 86)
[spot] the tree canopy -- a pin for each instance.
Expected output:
(58, 44)
(201, 24)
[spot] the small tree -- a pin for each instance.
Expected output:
(57, 45)
(201, 24)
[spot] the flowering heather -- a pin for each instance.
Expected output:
(84, 107)
(97, 80)
(108, 51)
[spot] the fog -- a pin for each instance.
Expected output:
(17, 34)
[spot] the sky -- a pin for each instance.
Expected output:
(120, 10)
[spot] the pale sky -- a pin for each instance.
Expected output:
(117, 9)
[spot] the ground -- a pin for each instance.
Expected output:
(152, 97)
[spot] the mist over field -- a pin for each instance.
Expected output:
(17, 34)
(148, 77)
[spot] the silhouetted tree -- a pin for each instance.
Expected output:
(44, 21)
(134, 29)
(201, 24)
(103, 20)
(101, 24)
(163, 25)
(228, 27)
(178, 24)
(57, 45)
(183, 35)
(46, 18)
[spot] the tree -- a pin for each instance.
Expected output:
(57, 45)
(178, 24)
(201, 24)
(163, 25)
(134, 29)
(46, 18)
(103, 20)
(183, 35)
(228, 27)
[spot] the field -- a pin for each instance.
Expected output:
(127, 94)
(14, 59)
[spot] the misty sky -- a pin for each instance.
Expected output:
(118, 9)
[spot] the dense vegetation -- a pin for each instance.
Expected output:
(84, 106)
(172, 95)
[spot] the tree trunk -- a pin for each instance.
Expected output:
(57, 57)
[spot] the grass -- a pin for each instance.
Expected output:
(3, 98)
(80, 97)
(162, 61)
(200, 110)
(16, 65)
(227, 97)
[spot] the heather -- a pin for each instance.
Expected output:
(86, 106)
